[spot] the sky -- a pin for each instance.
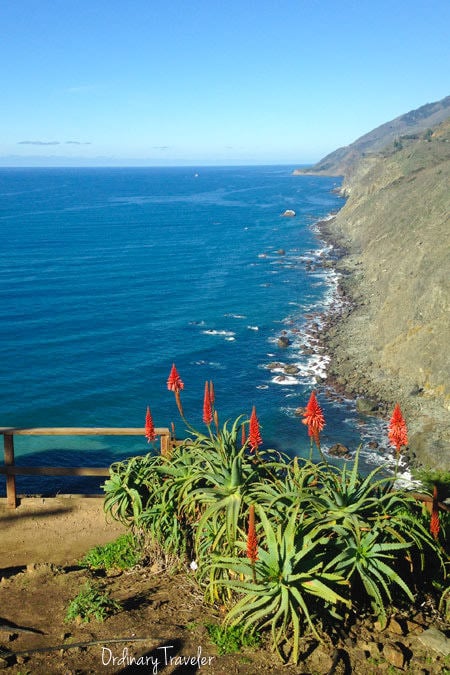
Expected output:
(198, 82)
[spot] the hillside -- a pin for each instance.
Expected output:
(394, 343)
(343, 160)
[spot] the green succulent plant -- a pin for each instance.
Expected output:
(366, 556)
(329, 540)
(129, 486)
(290, 579)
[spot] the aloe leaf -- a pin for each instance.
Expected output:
(296, 629)
(271, 539)
(390, 546)
(301, 603)
(375, 573)
(354, 473)
(253, 611)
(393, 576)
(236, 472)
(374, 593)
(321, 590)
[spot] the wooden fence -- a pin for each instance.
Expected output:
(167, 443)
(11, 470)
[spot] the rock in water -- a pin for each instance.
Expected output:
(339, 450)
(283, 341)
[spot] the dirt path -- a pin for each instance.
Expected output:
(57, 530)
(163, 613)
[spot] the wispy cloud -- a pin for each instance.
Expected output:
(161, 147)
(38, 143)
(53, 143)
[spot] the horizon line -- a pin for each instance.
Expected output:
(151, 166)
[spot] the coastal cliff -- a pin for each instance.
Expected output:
(393, 344)
(343, 161)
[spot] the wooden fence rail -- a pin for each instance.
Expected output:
(10, 470)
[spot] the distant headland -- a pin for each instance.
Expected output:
(395, 231)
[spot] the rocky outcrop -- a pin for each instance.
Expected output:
(393, 345)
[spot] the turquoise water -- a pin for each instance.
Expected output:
(108, 276)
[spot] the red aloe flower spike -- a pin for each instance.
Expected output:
(314, 419)
(212, 394)
(207, 409)
(435, 525)
(149, 427)
(397, 432)
(174, 382)
(252, 540)
(254, 435)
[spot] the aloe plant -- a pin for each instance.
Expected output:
(128, 488)
(221, 503)
(287, 483)
(324, 537)
(374, 537)
(347, 497)
(292, 585)
(368, 557)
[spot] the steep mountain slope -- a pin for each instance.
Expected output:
(394, 345)
(343, 160)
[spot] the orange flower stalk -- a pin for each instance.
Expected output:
(397, 431)
(175, 384)
(252, 540)
(435, 525)
(254, 436)
(149, 427)
(314, 419)
(207, 407)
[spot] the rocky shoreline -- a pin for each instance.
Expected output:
(341, 376)
(350, 372)
(390, 342)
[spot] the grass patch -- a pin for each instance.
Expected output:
(120, 554)
(231, 639)
(92, 602)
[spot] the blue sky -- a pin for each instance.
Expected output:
(163, 82)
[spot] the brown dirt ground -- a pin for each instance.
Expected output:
(55, 529)
(163, 614)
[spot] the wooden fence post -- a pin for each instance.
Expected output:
(8, 445)
(166, 449)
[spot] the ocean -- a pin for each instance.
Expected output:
(110, 275)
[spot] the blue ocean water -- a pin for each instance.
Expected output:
(108, 276)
